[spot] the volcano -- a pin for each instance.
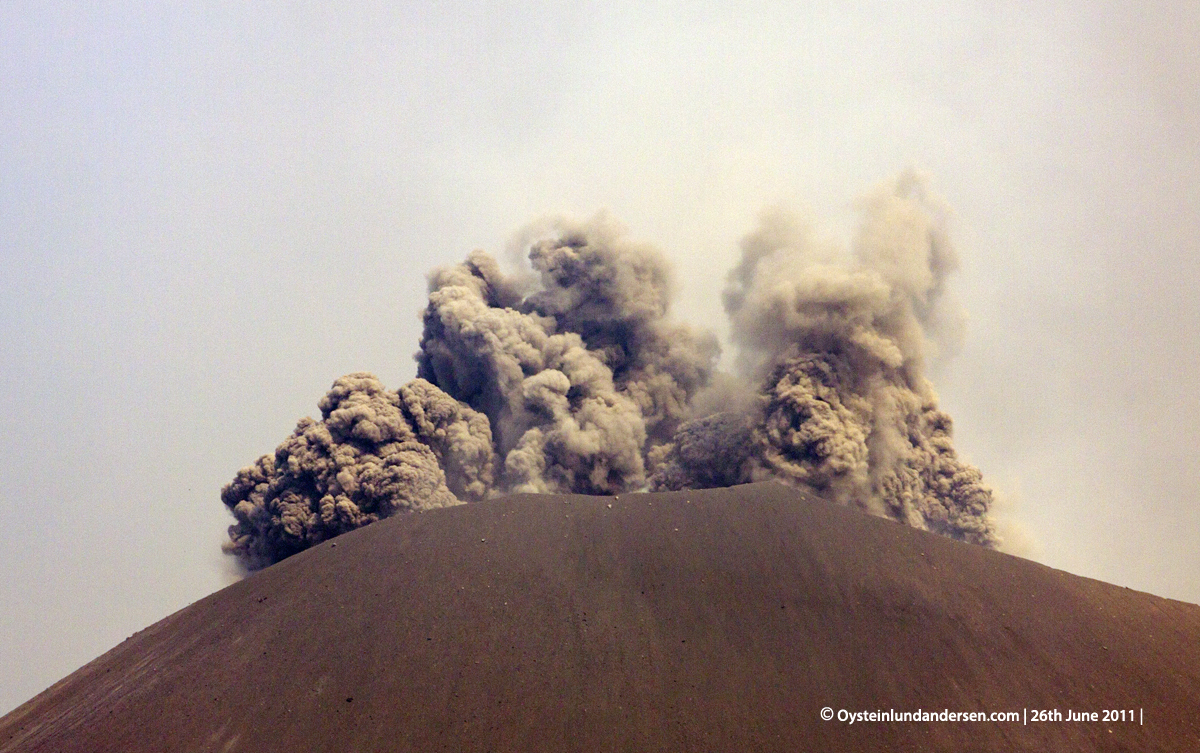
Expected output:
(718, 620)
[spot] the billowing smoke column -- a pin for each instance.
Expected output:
(580, 374)
(571, 378)
(837, 346)
(373, 453)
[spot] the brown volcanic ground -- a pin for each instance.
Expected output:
(708, 620)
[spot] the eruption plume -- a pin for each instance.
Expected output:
(373, 453)
(581, 373)
(572, 378)
(838, 345)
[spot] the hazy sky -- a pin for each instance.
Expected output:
(208, 212)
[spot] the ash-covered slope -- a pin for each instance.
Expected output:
(702, 620)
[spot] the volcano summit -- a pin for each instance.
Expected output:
(718, 620)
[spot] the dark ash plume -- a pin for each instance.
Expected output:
(839, 346)
(570, 377)
(616, 294)
(581, 375)
(373, 453)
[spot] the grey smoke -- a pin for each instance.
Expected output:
(373, 453)
(577, 367)
(571, 377)
(838, 343)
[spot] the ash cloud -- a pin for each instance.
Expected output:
(570, 376)
(374, 453)
(577, 366)
(838, 344)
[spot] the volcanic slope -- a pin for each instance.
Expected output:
(720, 620)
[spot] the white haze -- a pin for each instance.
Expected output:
(210, 212)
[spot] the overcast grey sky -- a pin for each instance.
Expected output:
(209, 211)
